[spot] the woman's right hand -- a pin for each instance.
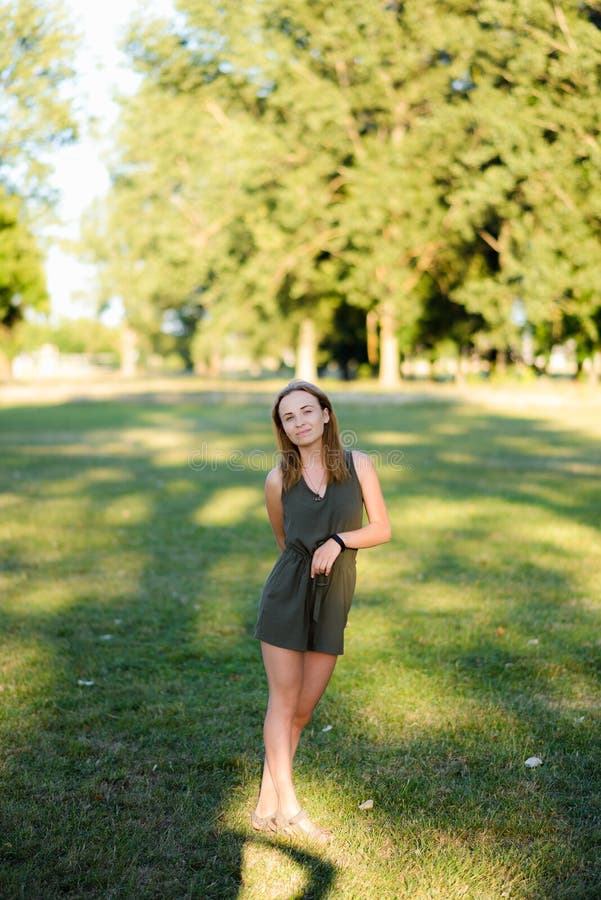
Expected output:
(324, 557)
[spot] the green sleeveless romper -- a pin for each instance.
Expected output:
(297, 612)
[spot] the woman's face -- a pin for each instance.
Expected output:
(302, 417)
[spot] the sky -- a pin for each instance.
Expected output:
(80, 171)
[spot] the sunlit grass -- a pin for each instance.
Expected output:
(134, 548)
(229, 506)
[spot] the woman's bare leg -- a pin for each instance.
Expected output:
(284, 670)
(315, 672)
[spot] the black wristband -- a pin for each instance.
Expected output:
(339, 541)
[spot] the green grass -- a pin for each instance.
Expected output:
(133, 550)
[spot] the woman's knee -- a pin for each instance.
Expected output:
(283, 704)
(302, 717)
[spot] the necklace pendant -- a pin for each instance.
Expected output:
(316, 497)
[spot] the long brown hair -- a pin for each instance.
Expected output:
(333, 451)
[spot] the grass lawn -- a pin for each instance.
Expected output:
(134, 545)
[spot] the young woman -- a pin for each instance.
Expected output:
(315, 499)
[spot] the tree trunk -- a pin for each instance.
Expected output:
(389, 349)
(462, 365)
(6, 366)
(595, 369)
(129, 351)
(215, 363)
(6, 369)
(371, 327)
(501, 362)
(306, 351)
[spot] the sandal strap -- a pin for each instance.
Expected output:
(263, 823)
(301, 814)
(301, 825)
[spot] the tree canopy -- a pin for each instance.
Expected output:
(436, 166)
(36, 46)
(36, 111)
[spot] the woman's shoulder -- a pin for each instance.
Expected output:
(274, 479)
(361, 461)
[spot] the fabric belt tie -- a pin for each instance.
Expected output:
(317, 587)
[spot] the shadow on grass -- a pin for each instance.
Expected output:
(132, 786)
(142, 719)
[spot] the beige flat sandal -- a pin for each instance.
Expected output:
(301, 826)
(263, 823)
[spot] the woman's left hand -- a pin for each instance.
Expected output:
(324, 558)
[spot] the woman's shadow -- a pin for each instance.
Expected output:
(153, 691)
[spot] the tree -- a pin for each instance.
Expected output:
(255, 257)
(428, 164)
(22, 282)
(295, 109)
(517, 171)
(36, 46)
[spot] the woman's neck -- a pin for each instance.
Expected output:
(312, 456)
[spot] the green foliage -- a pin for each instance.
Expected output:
(69, 336)
(36, 45)
(22, 281)
(524, 157)
(36, 48)
(436, 161)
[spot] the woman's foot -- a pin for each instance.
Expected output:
(301, 826)
(264, 823)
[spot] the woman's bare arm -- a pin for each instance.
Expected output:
(377, 531)
(273, 502)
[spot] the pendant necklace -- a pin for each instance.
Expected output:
(316, 493)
